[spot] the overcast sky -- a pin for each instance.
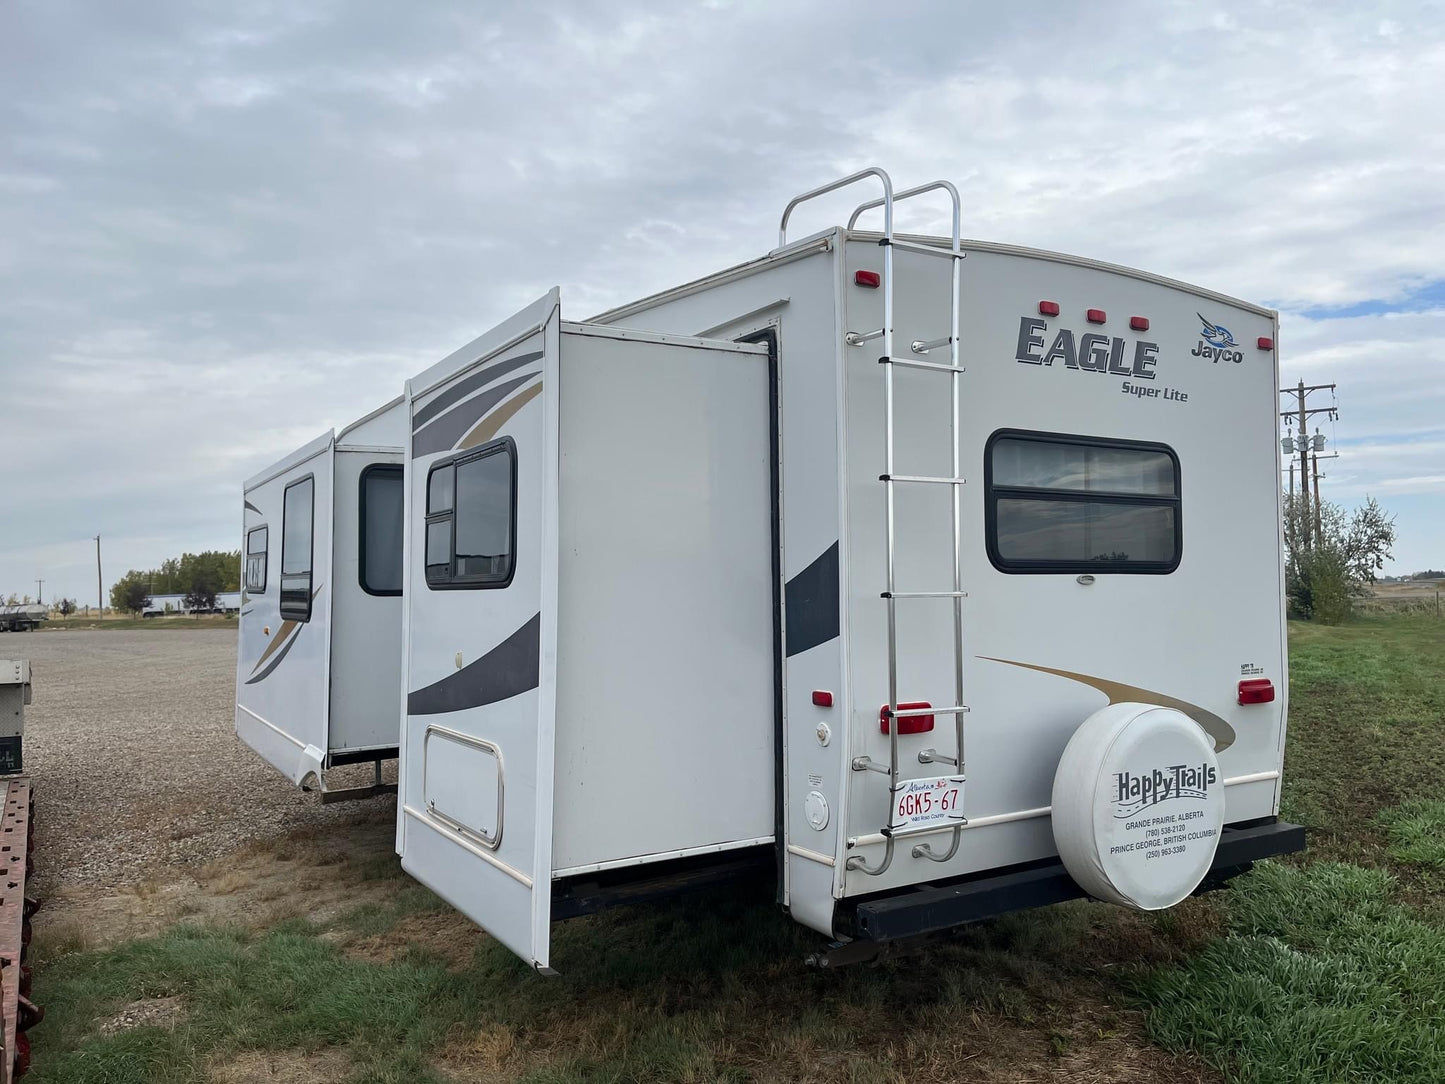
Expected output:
(226, 228)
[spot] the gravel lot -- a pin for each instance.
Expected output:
(135, 762)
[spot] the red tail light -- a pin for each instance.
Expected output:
(908, 724)
(1048, 308)
(1095, 316)
(822, 698)
(1139, 323)
(1264, 342)
(1252, 691)
(870, 279)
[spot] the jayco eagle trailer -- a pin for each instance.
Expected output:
(318, 668)
(944, 574)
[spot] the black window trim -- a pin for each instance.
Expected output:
(265, 558)
(310, 557)
(992, 495)
(373, 468)
(507, 446)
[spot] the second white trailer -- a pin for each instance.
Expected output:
(319, 644)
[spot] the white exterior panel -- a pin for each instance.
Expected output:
(665, 710)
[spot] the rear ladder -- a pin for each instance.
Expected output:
(891, 832)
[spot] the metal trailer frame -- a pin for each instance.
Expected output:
(17, 840)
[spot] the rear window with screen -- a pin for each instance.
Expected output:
(1058, 503)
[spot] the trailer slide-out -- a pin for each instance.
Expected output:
(318, 667)
(937, 577)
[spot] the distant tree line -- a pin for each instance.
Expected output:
(200, 577)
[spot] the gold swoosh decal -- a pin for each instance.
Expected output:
(287, 627)
(283, 630)
(487, 428)
(1119, 693)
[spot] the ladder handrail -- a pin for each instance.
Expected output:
(955, 370)
(909, 193)
(843, 182)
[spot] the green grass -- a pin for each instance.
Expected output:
(118, 624)
(1325, 967)
(1331, 970)
(1417, 833)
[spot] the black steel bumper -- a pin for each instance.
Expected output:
(931, 908)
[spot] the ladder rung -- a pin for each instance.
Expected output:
(858, 338)
(915, 363)
(922, 829)
(926, 479)
(927, 250)
(904, 713)
(924, 594)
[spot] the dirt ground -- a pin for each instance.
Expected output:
(151, 812)
(141, 784)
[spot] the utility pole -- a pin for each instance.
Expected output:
(1311, 518)
(40, 592)
(99, 584)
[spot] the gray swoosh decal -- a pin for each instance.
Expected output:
(444, 432)
(512, 667)
(460, 390)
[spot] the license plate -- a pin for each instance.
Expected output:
(923, 803)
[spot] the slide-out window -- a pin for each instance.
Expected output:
(256, 539)
(381, 530)
(471, 520)
(297, 522)
(1057, 503)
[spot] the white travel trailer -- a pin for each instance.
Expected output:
(318, 668)
(943, 576)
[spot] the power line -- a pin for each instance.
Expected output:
(1304, 445)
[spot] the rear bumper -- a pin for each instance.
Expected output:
(931, 908)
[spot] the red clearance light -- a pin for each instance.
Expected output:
(1048, 308)
(1253, 691)
(909, 724)
(1139, 323)
(822, 699)
(870, 279)
(1264, 342)
(1095, 316)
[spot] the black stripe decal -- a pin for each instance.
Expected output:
(810, 604)
(462, 389)
(442, 434)
(252, 507)
(512, 667)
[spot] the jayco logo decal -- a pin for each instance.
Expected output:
(1216, 343)
(1134, 793)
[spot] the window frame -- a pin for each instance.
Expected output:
(501, 446)
(399, 470)
(291, 614)
(994, 493)
(246, 556)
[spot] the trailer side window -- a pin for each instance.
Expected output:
(256, 539)
(471, 518)
(1059, 503)
(379, 553)
(297, 509)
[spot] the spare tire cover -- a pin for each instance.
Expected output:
(1138, 805)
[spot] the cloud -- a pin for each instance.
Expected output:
(228, 227)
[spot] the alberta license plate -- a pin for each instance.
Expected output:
(922, 803)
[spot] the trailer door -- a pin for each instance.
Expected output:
(475, 818)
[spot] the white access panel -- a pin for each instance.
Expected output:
(665, 687)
